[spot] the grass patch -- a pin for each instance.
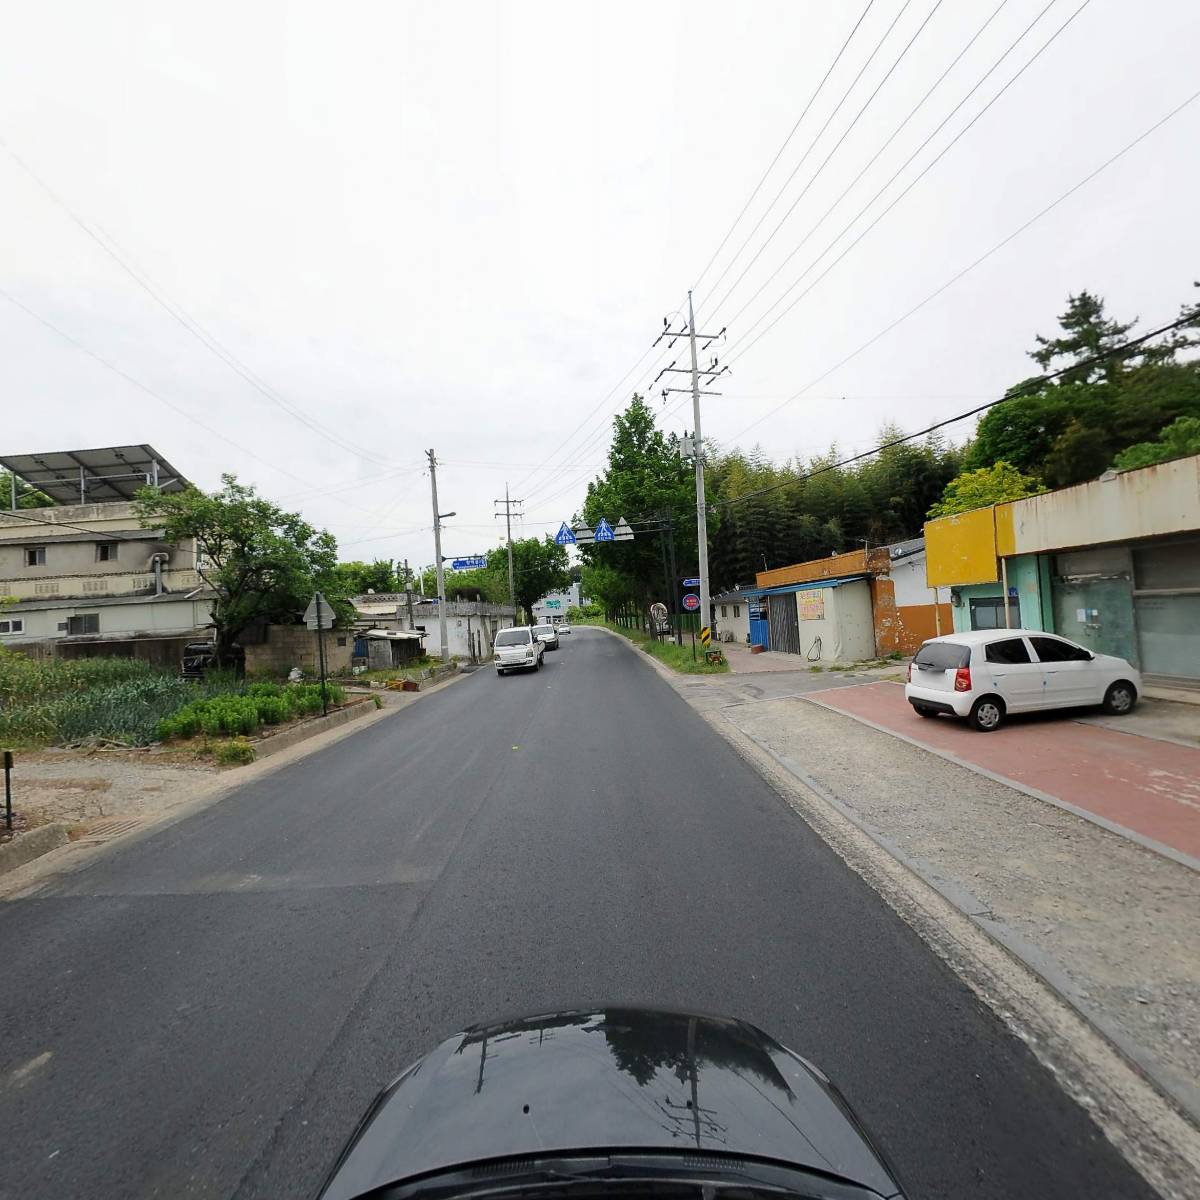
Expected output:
(233, 752)
(678, 658)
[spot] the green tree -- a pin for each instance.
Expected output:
(263, 563)
(644, 479)
(1180, 439)
(357, 578)
(539, 566)
(27, 497)
(984, 486)
(1086, 333)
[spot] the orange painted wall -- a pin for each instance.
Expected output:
(855, 562)
(919, 623)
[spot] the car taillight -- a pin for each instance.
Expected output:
(962, 679)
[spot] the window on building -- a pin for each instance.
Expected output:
(724, 611)
(35, 556)
(737, 610)
(1050, 649)
(1011, 650)
(987, 612)
(12, 624)
(84, 623)
(106, 551)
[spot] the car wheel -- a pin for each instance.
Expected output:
(922, 711)
(1120, 698)
(987, 714)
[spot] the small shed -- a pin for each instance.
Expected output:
(387, 648)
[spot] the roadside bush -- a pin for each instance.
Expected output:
(242, 713)
(234, 752)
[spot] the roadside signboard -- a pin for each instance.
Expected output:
(691, 602)
(658, 610)
(623, 532)
(812, 606)
(583, 535)
(604, 531)
(565, 535)
(319, 613)
(472, 562)
(690, 583)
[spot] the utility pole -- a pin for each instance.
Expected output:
(711, 372)
(437, 550)
(408, 592)
(509, 505)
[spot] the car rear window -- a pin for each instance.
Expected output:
(543, 629)
(1010, 650)
(943, 656)
(512, 637)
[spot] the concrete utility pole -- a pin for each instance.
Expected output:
(408, 592)
(701, 506)
(437, 550)
(508, 508)
(711, 372)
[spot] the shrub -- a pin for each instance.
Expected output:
(234, 752)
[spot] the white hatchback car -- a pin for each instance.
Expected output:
(985, 674)
(517, 649)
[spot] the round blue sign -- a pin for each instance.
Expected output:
(691, 602)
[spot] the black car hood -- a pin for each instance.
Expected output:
(611, 1079)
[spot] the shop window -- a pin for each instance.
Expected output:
(987, 612)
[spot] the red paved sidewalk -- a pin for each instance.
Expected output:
(1146, 787)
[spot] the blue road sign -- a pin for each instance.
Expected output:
(473, 563)
(604, 531)
(565, 535)
(691, 602)
(691, 583)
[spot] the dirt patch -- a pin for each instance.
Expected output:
(80, 787)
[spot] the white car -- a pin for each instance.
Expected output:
(547, 635)
(987, 673)
(563, 627)
(517, 649)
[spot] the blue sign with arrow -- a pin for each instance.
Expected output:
(604, 531)
(565, 535)
(687, 583)
(474, 563)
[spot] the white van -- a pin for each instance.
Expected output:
(517, 649)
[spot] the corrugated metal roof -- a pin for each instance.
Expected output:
(812, 586)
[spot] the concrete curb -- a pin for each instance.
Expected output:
(28, 846)
(290, 737)
(1184, 1095)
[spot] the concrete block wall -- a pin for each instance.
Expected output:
(288, 646)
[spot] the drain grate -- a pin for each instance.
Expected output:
(108, 830)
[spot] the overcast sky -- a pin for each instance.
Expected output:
(460, 226)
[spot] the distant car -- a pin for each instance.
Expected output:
(547, 635)
(563, 627)
(517, 649)
(986, 674)
(611, 1104)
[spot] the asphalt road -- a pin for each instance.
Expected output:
(208, 1011)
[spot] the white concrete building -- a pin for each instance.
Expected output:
(84, 576)
(553, 606)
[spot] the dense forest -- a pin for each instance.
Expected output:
(1071, 423)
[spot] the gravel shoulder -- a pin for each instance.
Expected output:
(1111, 925)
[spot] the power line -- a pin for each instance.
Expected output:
(836, 109)
(836, 146)
(786, 141)
(870, 162)
(916, 179)
(981, 259)
(110, 248)
(1030, 387)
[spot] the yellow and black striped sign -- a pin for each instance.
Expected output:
(706, 635)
